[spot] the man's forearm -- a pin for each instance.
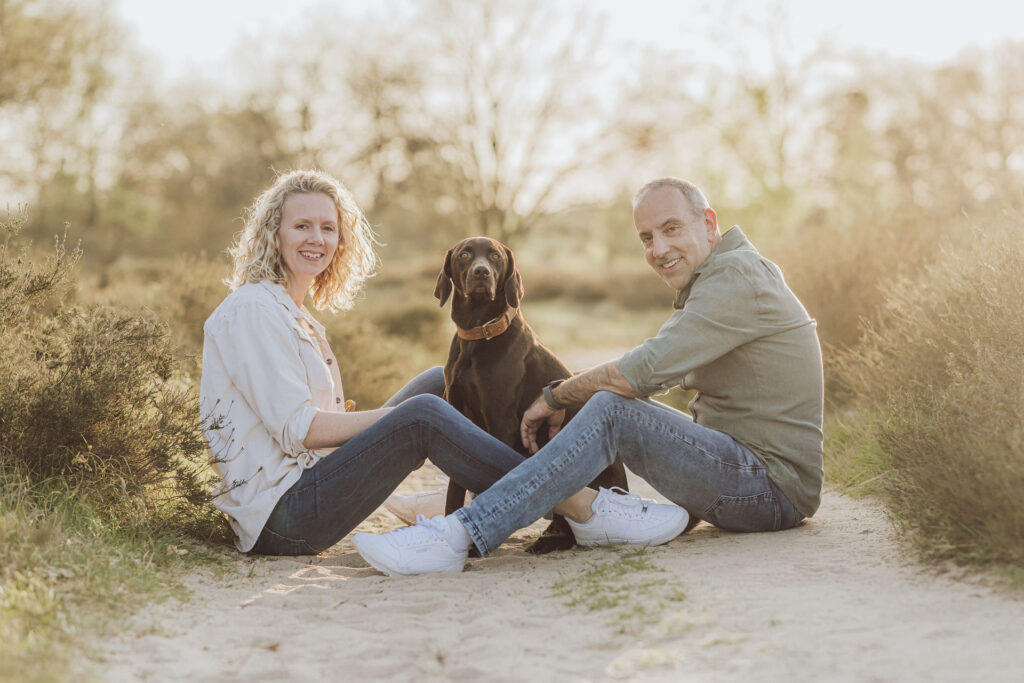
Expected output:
(577, 390)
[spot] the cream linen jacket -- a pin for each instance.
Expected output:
(267, 370)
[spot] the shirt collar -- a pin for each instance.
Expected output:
(281, 296)
(731, 240)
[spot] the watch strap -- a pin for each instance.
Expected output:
(549, 395)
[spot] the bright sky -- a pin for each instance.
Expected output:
(197, 33)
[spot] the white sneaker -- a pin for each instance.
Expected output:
(621, 517)
(427, 503)
(420, 549)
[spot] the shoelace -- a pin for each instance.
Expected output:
(426, 528)
(626, 499)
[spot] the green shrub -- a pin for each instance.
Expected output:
(90, 396)
(182, 291)
(939, 383)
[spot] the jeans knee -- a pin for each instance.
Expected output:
(423, 405)
(603, 401)
(429, 409)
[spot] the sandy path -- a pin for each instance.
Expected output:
(830, 600)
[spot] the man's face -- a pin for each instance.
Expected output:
(675, 241)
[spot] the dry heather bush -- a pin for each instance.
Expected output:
(843, 273)
(89, 396)
(182, 291)
(939, 381)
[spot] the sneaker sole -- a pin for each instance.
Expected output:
(660, 539)
(391, 572)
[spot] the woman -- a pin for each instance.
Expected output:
(299, 473)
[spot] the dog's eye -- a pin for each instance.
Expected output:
(495, 256)
(464, 255)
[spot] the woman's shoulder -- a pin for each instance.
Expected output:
(250, 298)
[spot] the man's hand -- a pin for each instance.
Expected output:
(540, 413)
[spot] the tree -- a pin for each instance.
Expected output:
(511, 108)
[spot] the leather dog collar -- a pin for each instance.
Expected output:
(490, 329)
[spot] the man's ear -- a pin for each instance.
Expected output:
(443, 289)
(710, 222)
(514, 290)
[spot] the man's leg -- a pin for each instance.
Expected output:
(701, 469)
(715, 477)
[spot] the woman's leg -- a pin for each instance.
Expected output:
(343, 489)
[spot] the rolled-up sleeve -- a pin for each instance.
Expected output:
(720, 315)
(260, 354)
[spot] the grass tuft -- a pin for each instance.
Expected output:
(632, 588)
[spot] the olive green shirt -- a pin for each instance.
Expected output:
(743, 341)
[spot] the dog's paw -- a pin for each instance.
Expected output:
(558, 536)
(549, 544)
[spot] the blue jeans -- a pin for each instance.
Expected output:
(344, 488)
(703, 470)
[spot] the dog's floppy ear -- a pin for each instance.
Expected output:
(443, 289)
(513, 281)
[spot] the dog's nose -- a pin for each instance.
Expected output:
(480, 270)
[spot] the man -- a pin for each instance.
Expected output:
(749, 459)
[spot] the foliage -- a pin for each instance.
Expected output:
(939, 383)
(90, 396)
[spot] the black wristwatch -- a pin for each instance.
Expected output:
(549, 395)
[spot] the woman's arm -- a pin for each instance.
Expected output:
(330, 430)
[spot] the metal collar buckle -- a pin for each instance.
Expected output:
(486, 325)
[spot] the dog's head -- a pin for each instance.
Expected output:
(479, 269)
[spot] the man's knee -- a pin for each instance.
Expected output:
(605, 402)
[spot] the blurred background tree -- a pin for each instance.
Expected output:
(518, 120)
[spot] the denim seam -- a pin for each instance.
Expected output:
(289, 539)
(746, 500)
(474, 532)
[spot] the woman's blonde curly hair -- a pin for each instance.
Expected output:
(257, 255)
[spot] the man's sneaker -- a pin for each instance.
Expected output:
(427, 503)
(621, 517)
(419, 549)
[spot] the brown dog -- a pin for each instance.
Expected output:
(496, 366)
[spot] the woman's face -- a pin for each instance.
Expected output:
(308, 238)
